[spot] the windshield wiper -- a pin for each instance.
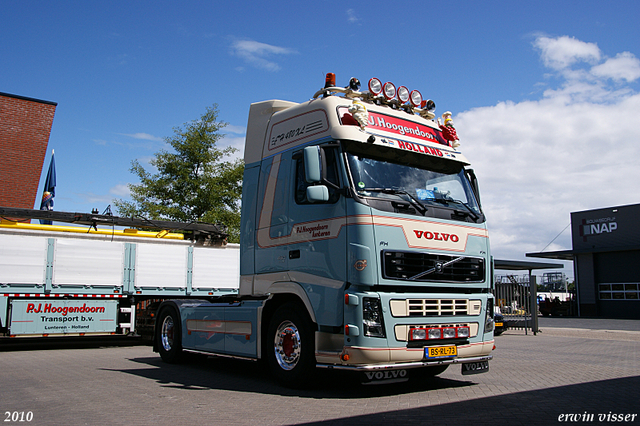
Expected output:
(469, 210)
(413, 200)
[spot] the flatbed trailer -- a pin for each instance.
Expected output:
(88, 279)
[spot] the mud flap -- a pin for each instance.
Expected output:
(475, 367)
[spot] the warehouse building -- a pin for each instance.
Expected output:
(606, 261)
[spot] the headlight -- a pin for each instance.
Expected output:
(372, 322)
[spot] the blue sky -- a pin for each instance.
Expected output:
(544, 94)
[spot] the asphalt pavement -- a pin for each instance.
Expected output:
(582, 368)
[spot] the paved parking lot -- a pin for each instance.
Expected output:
(533, 380)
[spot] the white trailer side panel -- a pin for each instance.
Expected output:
(160, 265)
(88, 262)
(216, 268)
(23, 259)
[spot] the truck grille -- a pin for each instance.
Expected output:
(421, 267)
(434, 307)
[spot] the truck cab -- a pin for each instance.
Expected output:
(364, 245)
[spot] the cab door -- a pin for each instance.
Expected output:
(317, 245)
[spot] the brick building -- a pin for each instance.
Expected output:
(25, 125)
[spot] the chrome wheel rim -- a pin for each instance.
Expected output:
(287, 345)
(166, 334)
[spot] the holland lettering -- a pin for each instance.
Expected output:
(420, 148)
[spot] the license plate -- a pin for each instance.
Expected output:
(441, 351)
(498, 324)
(475, 367)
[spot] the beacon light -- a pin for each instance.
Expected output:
(389, 90)
(375, 86)
(416, 98)
(403, 94)
(330, 80)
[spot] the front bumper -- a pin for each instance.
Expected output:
(366, 359)
(404, 366)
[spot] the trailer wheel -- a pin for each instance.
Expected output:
(169, 336)
(291, 346)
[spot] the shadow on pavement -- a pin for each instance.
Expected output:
(204, 373)
(601, 402)
(84, 342)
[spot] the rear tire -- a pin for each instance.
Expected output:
(169, 335)
(290, 346)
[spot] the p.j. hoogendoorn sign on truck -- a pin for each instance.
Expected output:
(38, 316)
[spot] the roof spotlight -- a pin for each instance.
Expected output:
(389, 90)
(403, 94)
(416, 98)
(375, 86)
(354, 84)
(428, 105)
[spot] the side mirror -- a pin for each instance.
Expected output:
(318, 194)
(312, 164)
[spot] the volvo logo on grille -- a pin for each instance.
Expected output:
(439, 266)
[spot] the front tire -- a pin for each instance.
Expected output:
(169, 335)
(290, 346)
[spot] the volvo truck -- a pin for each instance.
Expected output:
(364, 246)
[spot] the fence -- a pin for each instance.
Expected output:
(516, 299)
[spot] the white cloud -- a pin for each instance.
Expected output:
(259, 54)
(144, 136)
(625, 66)
(351, 16)
(239, 130)
(120, 190)
(559, 53)
(574, 149)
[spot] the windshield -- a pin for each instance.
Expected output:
(420, 187)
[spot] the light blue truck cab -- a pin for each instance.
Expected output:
(363, 246)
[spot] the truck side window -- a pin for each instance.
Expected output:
(331, 176)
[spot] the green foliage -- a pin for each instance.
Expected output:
(193, 183)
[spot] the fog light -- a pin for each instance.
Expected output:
(435, 333)
(463, 332)
(418, 334)
(449, 333)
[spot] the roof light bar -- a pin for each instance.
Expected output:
(438, 333)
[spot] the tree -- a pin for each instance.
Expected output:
(193, 183)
